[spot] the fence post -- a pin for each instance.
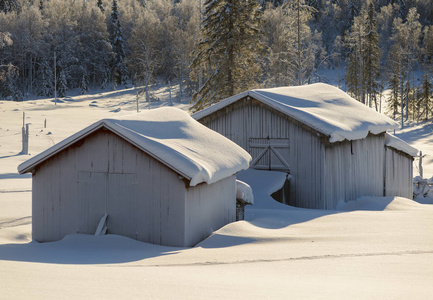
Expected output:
(420, 165)
(25, 138)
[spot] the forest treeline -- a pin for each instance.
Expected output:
(216, 48)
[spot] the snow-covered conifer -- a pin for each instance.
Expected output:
(7, 6)
(44, 80)
(62, 85)
(100, 5)
(355, 43)
(426, 95)
(120, 72)
(372, 57)
(83, 84)
(402, 9)
(353, 10)
(229, 52)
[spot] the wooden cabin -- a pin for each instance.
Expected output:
(160, 176)
(335, 148)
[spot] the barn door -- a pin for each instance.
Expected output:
(90, 204)
(100, 193)
(269, 153)
(121, 197)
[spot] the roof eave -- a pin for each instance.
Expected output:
(265, 100)
(257, 96)
(50, 152)
(30, 164)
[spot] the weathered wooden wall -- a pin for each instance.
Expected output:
(399, 174)
(354, 169)
(247, 119)
(143, 198)
(322, 173)
(208, 208)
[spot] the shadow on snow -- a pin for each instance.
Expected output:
(85, 249)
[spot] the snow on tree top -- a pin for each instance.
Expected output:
(322, 107)
(171, 136)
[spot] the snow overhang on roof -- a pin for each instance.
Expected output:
(172, 137)
(320, 106)
(394, 142)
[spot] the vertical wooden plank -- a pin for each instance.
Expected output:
(208, 208)
(121, 190)
(38, 202)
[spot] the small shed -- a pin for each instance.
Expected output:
(160, 176)
(334, 147)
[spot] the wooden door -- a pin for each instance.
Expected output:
(106, 193)
(269, 153)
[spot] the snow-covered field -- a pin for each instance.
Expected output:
(375, 248)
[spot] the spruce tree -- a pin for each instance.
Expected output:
(426, 95)
(229, 52)
(62, 85)
(372, 57)
(7, 87)
(83, 84)
(402, 10)
(17, 94)
(355, 71)
(7, 6)
(353, 11)
(120, 72)
(44, 80)
(394, 100)
(100, 5)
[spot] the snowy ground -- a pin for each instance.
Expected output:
(375, 248)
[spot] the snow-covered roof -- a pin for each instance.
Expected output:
(320, 106)
(244, 192)
(398, 144)
(172, 137)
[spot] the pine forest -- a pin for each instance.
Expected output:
(213, 49)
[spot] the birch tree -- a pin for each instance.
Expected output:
(278, 28)
(143, 42)
(404, 54)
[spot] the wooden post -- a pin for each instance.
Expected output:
(136, 98)
(169, 91)
(25, 139)
(45, 123)
(55, 79)
(420, 165)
